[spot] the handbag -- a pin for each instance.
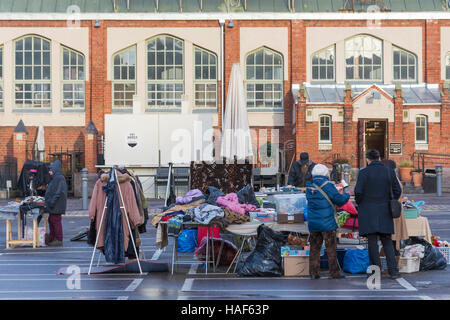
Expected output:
(92, 233)
(394, 205)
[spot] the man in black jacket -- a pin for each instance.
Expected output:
(55, 203)
(372, 194)
(301, 171)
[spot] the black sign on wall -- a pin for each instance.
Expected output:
(395, 148)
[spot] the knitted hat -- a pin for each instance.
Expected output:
(320, 170)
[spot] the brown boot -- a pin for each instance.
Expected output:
(55, 243)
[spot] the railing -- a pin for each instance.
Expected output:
(445, 158)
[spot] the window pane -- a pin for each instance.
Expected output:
(412, 73)
(315, 73)
(420, 134)
(259, 57)
(212, 73)
(396, 57)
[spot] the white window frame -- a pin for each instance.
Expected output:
(122, 81)
(330, 128)
(205, 82)
(356, 66)
(32, 82)
(416, 127)
(264, 82)
(400, 65)
(331, 48)
(447, 66)
(73, 82)
(165, 82)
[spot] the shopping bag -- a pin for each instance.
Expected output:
(350, 208)
(28, 233)
(356, 261)
(187, 240)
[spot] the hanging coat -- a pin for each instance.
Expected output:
(98, 201)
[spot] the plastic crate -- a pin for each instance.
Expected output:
(445, 252)
(409, 265)
(411, 213)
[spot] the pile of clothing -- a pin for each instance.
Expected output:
(416, 250)
(212, 208)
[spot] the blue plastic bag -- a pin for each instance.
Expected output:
(356, 261)
(187, 240)
(305, 213)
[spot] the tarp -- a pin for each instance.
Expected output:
(236, 138)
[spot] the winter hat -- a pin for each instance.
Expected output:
(320, 170)
(304, 156)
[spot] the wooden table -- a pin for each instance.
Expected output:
(13, 213)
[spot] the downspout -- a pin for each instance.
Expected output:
(222, 71)
(90, 75)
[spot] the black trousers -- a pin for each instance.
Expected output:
(388, 247)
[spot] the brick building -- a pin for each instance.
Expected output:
(332, 76)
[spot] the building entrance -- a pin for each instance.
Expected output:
(372, 134)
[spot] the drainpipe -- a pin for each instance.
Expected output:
(222, 71)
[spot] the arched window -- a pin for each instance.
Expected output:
(32, 73)
(124, 79)
(363, 58)
(1, 77)
(421, 129)
(323, 65)
(264, 79)
(73, 85)
(325, 128)
(205, 82)
(447, 66)
(405, 64)
(165, 72)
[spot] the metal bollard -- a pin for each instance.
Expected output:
(346, 173)
(439, 180)
(84, 188)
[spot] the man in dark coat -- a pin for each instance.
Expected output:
(372, 194)
(55, 203)
(301, 171)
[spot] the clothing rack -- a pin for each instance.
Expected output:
(114, 176)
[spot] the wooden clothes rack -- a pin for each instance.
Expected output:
(114, 176)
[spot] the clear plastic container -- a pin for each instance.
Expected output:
(290, 203)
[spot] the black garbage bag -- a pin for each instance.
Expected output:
(433, 258)
(265, 260)
(247, 195)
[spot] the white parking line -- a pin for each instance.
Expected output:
(296, 290)
(187, 285)
(406, 284)
(122, 298)
(156, 254)
(426, 298)
(193, 269)
(63, 279)
(133, 286)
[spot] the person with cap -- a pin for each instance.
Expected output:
(55, 204)
(300, 172)
(322, 197)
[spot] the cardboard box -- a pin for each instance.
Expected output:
(296, 266)
(291, 218)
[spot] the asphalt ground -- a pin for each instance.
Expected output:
(27, 273)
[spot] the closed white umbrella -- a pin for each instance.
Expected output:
(40, 143)
(236, 138)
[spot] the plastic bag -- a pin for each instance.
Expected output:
(28, 232)
(433, 258)
(265, 260)
(187, 240)
(356, 261)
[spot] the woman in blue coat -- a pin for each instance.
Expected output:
(322, 223)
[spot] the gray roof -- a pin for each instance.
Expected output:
(103, 6)
(412, 94)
